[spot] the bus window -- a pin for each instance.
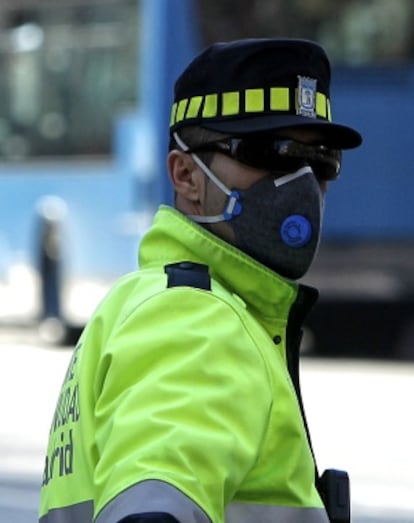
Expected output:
(67, 68)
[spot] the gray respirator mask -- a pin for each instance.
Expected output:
(277, 221)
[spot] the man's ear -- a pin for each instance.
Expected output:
(184, 175)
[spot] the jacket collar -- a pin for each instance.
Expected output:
(174, 238)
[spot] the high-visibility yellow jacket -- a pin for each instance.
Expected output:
(181, 399)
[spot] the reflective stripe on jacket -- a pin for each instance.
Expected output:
(183, 400)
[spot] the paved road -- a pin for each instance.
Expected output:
(360, 416)
(30, 377)
(361, 419)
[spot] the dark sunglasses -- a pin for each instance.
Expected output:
(275, 155)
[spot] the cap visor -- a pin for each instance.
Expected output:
(332, 135)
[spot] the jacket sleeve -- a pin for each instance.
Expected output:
(182, 402)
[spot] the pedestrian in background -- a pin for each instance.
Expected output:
(182, 400)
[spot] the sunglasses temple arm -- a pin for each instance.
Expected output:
(203, 166)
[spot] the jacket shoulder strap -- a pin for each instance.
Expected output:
(188, 274)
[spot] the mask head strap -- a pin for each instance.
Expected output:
(233, 205)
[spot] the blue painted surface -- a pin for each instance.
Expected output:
(100, 194)
(374, 197)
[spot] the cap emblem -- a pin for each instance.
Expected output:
(306, 97)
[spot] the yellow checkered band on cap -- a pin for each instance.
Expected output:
(254, 100)
(210, 107)
(279, 99)
(230, 103)
(181, 109)
(321, 105)
(194, 106)
(328, 105)
(249, 101)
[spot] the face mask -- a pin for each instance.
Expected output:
(279, 225)
(277, 221)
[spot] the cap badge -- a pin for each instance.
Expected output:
(306, 97)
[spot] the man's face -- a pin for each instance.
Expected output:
(237, 175)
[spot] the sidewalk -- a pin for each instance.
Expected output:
(19, 295)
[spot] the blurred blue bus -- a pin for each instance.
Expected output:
(85, 97)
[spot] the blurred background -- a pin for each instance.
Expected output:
(85, 100)
(85, 97)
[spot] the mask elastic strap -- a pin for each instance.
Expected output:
(306, 169)
(233, 207)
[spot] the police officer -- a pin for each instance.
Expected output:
(182, 400)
